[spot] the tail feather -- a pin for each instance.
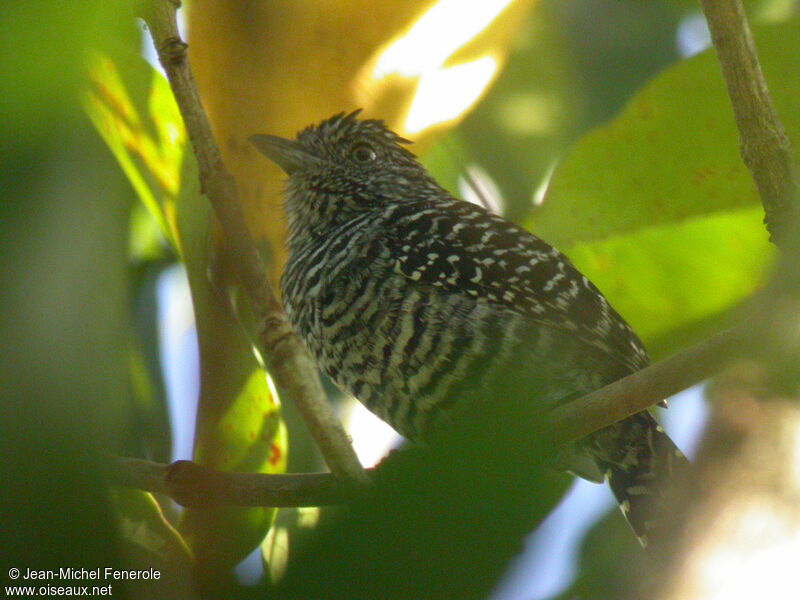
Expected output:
(641, 464)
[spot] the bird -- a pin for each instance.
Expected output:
(420, 304)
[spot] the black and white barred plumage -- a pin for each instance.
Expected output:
(420, 304)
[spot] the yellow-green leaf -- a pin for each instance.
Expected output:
(673, 152)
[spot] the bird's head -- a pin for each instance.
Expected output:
(341, 168)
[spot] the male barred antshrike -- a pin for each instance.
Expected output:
(418, 303)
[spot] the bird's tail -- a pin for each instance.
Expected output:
(641, 464)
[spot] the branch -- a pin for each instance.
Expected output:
(190, 484)
(283, 352)
(194, 485)
(763, 144)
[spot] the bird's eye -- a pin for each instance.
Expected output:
(363, 154)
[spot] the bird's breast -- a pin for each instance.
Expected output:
(405, 350)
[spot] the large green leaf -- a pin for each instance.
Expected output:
(670, 276)
(119, 112)
(671, 154)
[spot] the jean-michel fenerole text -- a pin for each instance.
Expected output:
(83, 574)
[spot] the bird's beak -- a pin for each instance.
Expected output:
(287, 154)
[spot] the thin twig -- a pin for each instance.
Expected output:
(283, 352)
(765, 149)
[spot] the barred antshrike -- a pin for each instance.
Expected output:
(418, 303)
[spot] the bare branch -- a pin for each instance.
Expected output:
(283, 352)
(764, 147)
(190, 484)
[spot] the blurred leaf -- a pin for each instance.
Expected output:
(63, 222)
(671, 154)
(772, 10)
(143, 524)
(443, 522)
(149, 541)
(657, 208)
(149, 412)
(275, 552)
(145, 243)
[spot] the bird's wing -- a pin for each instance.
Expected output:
(461, 248)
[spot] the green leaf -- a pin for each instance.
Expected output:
(667, 277)
(671, 154)
(151, 161)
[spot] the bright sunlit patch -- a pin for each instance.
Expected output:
(307, 516)
(756, 558)
(750, 547)
(444, 94)
(436, 35)
(372, 438)
(419, 59)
